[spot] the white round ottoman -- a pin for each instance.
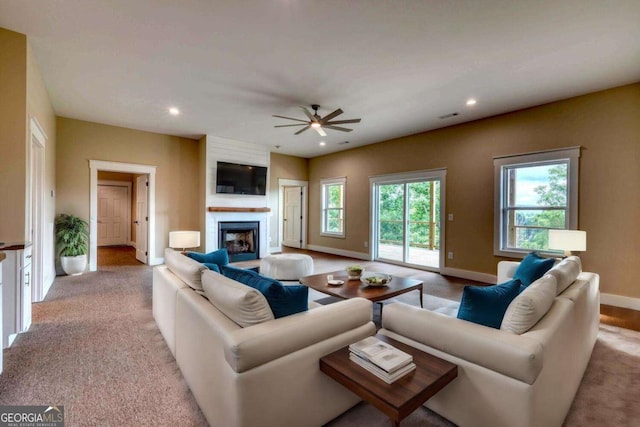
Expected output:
(286, 266)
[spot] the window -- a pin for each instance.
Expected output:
(333, 200)
(534, 193)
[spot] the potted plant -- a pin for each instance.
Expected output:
(72, 239)
(354, 271)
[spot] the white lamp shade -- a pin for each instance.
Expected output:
(568, 240)
(184, 239)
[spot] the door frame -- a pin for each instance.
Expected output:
(431, 174)
(126, 184)
(36, 223)
(101, 165)
(282, 183)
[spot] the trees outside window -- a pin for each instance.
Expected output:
(333, 201)
(535, 193)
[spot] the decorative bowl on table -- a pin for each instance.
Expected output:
(376, 279)
(354, 272)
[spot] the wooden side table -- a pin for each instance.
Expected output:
(399, 399)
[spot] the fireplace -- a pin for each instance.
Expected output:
(241, 238)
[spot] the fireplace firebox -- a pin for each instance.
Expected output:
(240, 238)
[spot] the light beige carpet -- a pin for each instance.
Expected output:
(94, 348)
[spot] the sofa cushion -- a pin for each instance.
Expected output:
(283, 300)
(187, 269)
(219, 257)
(211, 266)
(486, 305)
(566, 272)
(243, 304)
(530, 306)
(533, 267)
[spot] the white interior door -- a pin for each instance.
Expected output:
(142, 218)
(292, 219)
(113, 208)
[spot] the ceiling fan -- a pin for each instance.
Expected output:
(319, 123)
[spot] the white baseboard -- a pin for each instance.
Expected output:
(470, 275)
(132, 243)
(275, 249)
(341, 252)
(620, 301)
(156, 261)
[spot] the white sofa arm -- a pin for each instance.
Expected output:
(516, 356)
(506, 270)
(255, 345)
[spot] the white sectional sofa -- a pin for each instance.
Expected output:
(507, 379)
(265, 373)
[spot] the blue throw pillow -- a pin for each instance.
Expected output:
(220, 257)
(486, 305)
(213, 267)
(283, 300)
(533, 267)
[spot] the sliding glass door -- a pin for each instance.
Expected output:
(407, 212)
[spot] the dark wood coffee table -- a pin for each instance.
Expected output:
(355, 288)
(399, 399)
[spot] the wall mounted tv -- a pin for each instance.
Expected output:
(232, 178)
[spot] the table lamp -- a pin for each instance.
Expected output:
(568, 240)
(184, 240)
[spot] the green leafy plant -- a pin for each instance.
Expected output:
(72, 235)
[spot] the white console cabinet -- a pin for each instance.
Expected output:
(16, 292)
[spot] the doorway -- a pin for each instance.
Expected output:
(292, 217)
(408, 219)
(143, 233)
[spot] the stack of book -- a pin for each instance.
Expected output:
(381, 359)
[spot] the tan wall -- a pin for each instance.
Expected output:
(176, 160)
(13, 141)
(39, 107)
(282, 167)
(606, 124)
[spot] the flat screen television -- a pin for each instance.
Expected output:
(233, 178)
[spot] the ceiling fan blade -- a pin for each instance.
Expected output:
(339, 122)
(308, 114)
(291, 118)
(299, 124)
(338, 128)
(302, 130)
(330, 116)
(321, 132)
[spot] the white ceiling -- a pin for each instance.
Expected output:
(399, 65)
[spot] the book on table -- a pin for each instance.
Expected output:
(381, 373)
(381, 354)
(381, 359)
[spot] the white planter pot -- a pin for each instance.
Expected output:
(74, 265)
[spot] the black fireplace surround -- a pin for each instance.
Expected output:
(240, 238)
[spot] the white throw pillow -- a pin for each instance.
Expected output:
(187, 269)
(243, 304)
(566, 272)
(530, 306)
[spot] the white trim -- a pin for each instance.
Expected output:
(620, 301)
(572, 154)
(36, 220)
(126, 184)
(406, 177)
(334, 251)
(470, 275)
(94, 166)
(282, 183)
(275, 249)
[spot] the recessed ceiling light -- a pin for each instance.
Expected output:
(174, 111)
(471, 102)
(322, 143)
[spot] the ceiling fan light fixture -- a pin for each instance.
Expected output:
(315, 125)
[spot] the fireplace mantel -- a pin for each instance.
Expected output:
(232, 209)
